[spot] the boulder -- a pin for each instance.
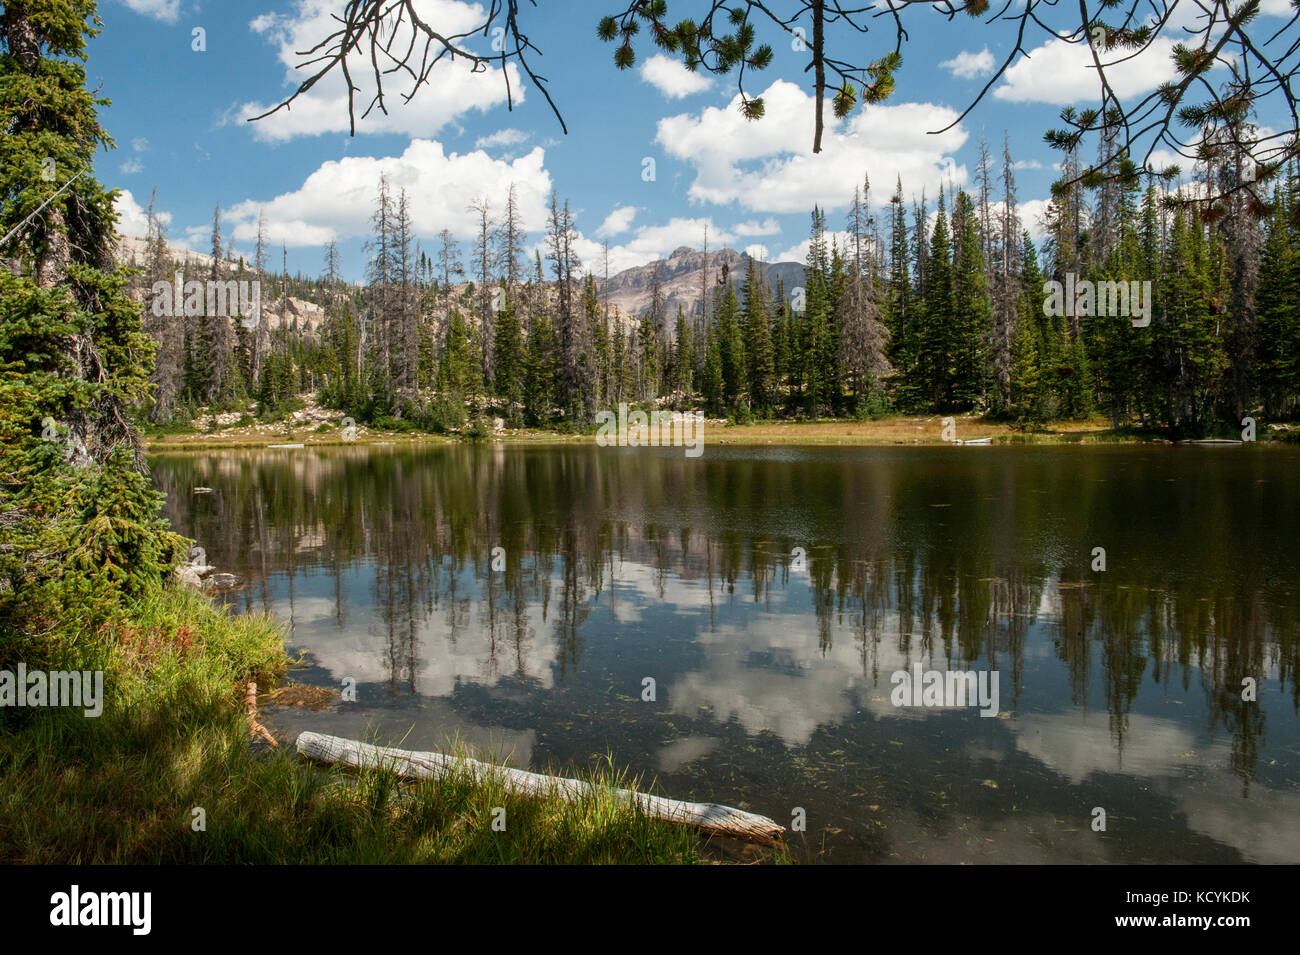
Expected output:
(186, 576)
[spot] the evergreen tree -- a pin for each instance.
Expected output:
(683, 357)
(511, 363)
(934, 339)
(971, 318)
(81, 524)
(758, 341)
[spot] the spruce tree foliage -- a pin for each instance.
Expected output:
(759, 358)
(80, 525)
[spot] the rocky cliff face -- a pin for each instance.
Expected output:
(681, 275)
(304, 315)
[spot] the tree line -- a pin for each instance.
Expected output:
(909, 309)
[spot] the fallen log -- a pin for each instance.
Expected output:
(705, 816)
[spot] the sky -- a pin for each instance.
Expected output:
(652, 154)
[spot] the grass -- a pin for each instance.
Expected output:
(124, 787)
(892, 429)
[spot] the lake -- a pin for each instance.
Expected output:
(519, 599)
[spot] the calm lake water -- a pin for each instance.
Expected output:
(1119, 689)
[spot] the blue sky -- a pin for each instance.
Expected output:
(178, 119)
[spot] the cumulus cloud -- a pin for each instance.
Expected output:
(767, 165)
(167, 11)
(752, 228)
(617, 222)
(758, 252)
(131, 166)
(453, 87)
(670, 77)
(502, 137)
(650, 242)
(337, 200)
(1063, 73)
(1032, 213)
(132, 218)
(966, 65)
(799, 251)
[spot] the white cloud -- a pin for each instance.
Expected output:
(1027, 164)
(670, 77)
(1030, 213)
(753, 228)
(799, 251)
(130, 167)
(132, 218)
(139, 144)
(502, 137)
(1031, 218)
(1163, 158)
(1063, 73)
(166, 10)
(649, 243)
(617, 222)
(767, 165)
(966, 65)
(337, 200)
(452, 88)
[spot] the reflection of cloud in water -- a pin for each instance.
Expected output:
(359, 649)
(799, 685)
(1262, 827)
(636, 586)
(1076, 745)
(684, 751)
(797, 689)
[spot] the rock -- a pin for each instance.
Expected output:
(220, 583)
(187, 577)
(498, 425)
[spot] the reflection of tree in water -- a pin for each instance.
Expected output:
(954, 560)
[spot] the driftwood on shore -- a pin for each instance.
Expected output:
(255, 729)
(706, 816)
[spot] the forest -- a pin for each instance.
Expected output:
(922, 307)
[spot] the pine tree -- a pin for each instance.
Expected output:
(540, 377)
(934, 338)
(758, 341)
(511, 363)
(683, 357)
(729, 341)
(712, 387)
(1277, 303)
(971, 320)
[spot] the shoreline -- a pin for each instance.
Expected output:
(895, 431)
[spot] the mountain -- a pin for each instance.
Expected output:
(278, 311)
(681, 275)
